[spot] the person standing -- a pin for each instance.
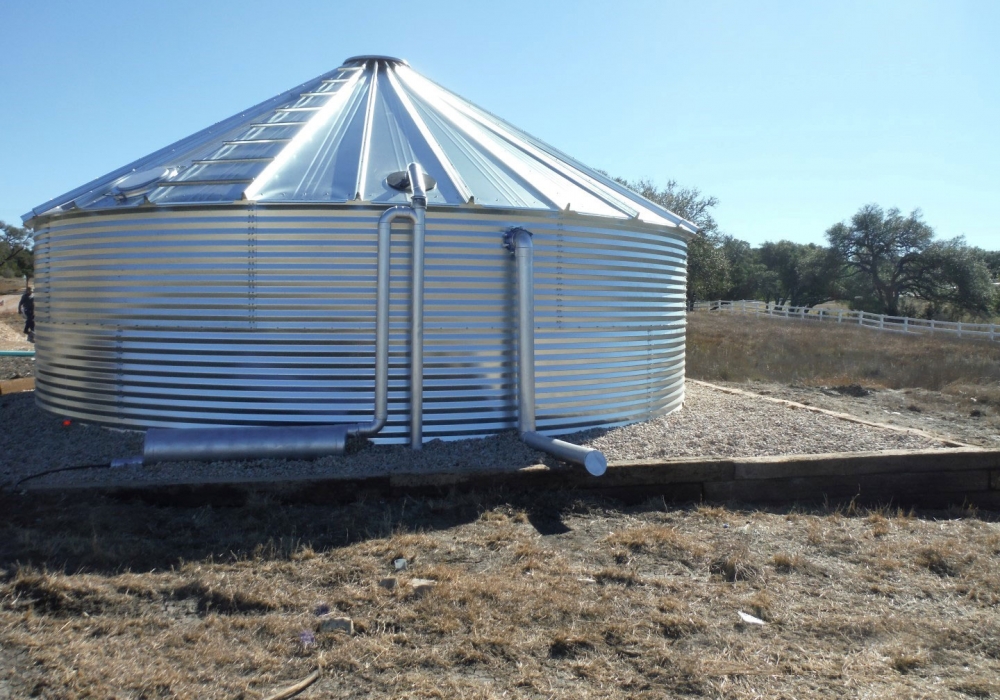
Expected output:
(26, 307)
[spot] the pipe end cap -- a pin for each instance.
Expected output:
(596, 463)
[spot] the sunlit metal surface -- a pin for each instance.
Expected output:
(230, 279)
(335, 139)
(256, 314)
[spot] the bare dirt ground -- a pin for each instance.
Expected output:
(961, 417)
(12, 331)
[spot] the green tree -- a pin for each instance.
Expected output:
(707, 270)
(957, 275)
(708, 266)
(804, 274)
(893, 257)
(884, 249)
(747, 274)
(15, 251)
(992, 260)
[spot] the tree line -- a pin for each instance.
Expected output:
(880, 261)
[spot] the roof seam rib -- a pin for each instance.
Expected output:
(449, 168)
(337, 99)
(366, 137)
(533, 153)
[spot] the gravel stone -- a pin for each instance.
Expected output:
(711, 424)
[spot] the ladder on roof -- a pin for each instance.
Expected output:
(240, 152)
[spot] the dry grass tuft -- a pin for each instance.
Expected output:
(569, 647)
(880, 525)
(787, 563)
(978, 688)
(46, 594)
(657, 539)
(733, 566)
(618, 577)
(938, 561)
(907, 661)
(761, 604)
(678, 626)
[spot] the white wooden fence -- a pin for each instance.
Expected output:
(880, 322)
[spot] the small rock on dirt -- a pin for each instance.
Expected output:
(336, 624)
(749, 619)
(421, 586)
(400, 564)
(389, 583)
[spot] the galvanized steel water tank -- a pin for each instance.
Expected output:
(229, 279)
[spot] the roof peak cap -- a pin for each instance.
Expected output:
(375, 57)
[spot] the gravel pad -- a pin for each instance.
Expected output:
(711, 424)
(16, 367)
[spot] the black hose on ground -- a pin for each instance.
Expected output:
(76, 467)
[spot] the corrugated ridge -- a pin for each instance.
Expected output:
(258, 315)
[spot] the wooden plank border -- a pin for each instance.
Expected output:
(15, 386)
(937, 477)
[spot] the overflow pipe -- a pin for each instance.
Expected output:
(518, 241)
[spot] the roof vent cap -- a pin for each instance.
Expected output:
(373, 57)
(400, 180)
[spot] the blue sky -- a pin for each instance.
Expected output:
(793, 114)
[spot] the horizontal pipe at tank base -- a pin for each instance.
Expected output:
(518, 242)
(222, 444)
(308, 442)
(17, 353)
(592, 460)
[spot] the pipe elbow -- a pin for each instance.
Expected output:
(368, 429)
(517, 240)
(395, 212)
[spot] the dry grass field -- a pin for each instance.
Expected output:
(731, 347)
(947, 386)
(537, 596)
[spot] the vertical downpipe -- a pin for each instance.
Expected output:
(419, 204)
(518, 241)
(525, 331)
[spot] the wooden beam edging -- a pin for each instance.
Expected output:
(945, 476)
(16, 386)
(835, 414)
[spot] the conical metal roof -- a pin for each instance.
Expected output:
(340, 137)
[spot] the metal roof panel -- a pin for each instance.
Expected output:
(337, 137)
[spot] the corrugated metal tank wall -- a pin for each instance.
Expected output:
(252, 315)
